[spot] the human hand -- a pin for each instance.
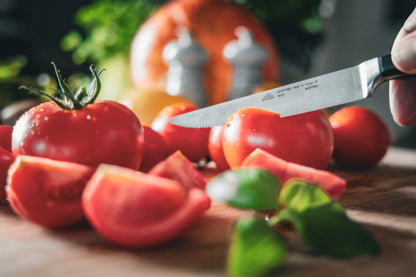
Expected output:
(402, 93)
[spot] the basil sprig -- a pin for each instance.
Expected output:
(321, 222)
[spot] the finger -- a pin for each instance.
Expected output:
(403, 101)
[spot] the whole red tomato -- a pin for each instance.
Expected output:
(215, 150)
(78, 130)
(6, 137)
(193, 143)
(6, 159)
(154, 149)
(361, 138)
(305, 139)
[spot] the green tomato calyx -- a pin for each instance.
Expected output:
(66, 98)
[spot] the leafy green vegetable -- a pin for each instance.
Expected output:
(255, 249)
(108, 28)
(328, 230)
(246, 188)
(299, 195)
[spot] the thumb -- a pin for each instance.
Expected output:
(403, 52)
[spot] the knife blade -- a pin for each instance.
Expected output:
(332, 89)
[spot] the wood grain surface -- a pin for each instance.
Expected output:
(383, 199)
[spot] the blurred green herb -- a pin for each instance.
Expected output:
(301, 206)
(107, 28)
(11, 67)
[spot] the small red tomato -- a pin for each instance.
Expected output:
(215, 150)
(79, 130)
(135, 209)
(47, 192)
(154, 149)
(306, 138)
(193, 143)
(6, 159)
(6, 137)
(361, 138)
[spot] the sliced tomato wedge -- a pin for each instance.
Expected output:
(135, 209)
(47, 192)
(178, 167)
(331, 183)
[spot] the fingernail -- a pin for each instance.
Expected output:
(404, 54)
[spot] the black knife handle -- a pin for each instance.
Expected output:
(387, 69)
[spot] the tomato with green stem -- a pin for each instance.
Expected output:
(76, 129)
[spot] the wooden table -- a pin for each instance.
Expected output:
(383, 199)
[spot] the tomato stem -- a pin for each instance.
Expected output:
(65, 97)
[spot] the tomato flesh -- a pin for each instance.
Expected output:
(135, 209)
(47, 192)
(283, 170)
(181, 169)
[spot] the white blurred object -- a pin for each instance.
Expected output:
(186, 62)
(247, 58)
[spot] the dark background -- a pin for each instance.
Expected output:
(354, 31)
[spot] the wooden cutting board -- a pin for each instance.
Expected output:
(383, 199)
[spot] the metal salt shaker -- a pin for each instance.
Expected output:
(247, 58)
(186, 60)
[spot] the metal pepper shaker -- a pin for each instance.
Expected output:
(247, 58)
(186, 62)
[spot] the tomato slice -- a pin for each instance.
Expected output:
(331, 183)
(180, 168)
(135, 209)
(47, 192)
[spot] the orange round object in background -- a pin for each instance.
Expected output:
(361, 138)
(147, 101)
(212, 24)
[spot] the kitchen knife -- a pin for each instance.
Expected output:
(332, 89)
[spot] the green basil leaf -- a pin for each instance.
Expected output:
(255, 249)
(246, 189)
(298, 195)
(329, 231)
